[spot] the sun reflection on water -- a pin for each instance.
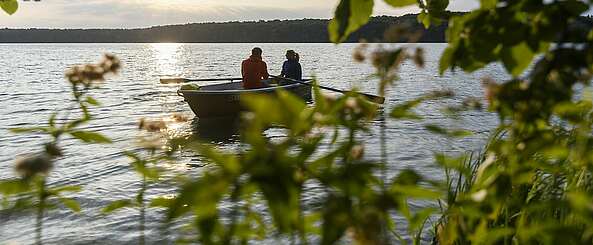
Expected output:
(167, 58)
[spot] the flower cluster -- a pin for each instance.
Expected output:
(88, 74)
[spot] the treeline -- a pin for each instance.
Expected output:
(286, 31)
(379, 29)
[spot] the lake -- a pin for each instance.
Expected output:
(33, 86)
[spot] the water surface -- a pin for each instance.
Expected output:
(33, 86)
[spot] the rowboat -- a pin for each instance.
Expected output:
(224, 99)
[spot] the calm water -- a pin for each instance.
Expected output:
(33, 86)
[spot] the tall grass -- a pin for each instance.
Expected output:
(548, 199)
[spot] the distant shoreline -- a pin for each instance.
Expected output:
(377, 30)
(272, 31)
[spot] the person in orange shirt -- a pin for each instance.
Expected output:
(254, 69)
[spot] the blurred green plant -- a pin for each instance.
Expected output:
(151, 171)
(357, 205)
(533, 185)
(31, 191)
(350, 15)
(530, 185)
(9, 6)
(276, 172)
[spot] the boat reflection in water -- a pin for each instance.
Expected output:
(217, 130)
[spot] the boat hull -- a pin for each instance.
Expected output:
(207, 103)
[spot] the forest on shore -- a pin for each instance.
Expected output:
(272, 31)
(378, 29)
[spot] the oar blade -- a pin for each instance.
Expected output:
(173, 80)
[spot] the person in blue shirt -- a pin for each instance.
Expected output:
(291, 67)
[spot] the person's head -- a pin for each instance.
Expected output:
(290, 55)
(256, 51)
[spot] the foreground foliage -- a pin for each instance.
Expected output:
(30, 190)
(532, 183)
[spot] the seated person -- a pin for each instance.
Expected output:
(291, 67)
(254, 70)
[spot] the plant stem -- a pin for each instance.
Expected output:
(40, 211)
(383, 140)
(142, 210)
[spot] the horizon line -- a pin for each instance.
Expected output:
(189, 23)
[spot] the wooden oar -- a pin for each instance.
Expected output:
(185, 80)
(373, 98)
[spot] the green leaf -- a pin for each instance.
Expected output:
(407, 177)
(336, 219)
(152, 173)
(414, 191)
(446, 132)
(575, 8)
(91, 137)
(403, 112)
(400, 3)
(69, 188)
(9, 6)
(75, 123)
(349, 16)
(291, 105)
(264, 106)
(311, 221)
(488, 4)
(52, 119)
(92, 101)
(11, 187)
(446, 60)
(133, 156)
(119, 204)
(30, 130)
(161, 202)
(71, 204)
(573, 112)
(517, 58)
(424, 18)
(436, 7)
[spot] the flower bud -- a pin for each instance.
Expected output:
(180, 117)
(53, 150)
(419, 57)
(357, 152)
(152, 126)
(31, 165)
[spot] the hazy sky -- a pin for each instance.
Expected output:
(144, 13)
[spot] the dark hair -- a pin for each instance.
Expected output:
(292, 54)
(256, 51)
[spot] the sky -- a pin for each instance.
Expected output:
(146, 13)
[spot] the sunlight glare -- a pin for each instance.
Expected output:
(166, 57)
